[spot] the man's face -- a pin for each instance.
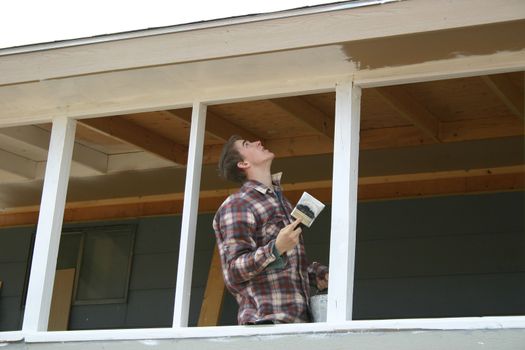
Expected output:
(253, 152)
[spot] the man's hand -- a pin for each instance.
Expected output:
(288, 237)
(323, 284)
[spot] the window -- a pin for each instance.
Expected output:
(102, 258)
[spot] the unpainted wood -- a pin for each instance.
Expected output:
(61, 301)
(306, 113)
(378, 189)
(509, 94)
(213, 295)
(139, 136)
(416, 113)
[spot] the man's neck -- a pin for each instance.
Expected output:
(264, 177)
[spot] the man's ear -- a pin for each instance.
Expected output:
(243, 165)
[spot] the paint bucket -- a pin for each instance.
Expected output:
(318, 304)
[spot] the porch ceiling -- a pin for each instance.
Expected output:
(462, 124)
(134, 116)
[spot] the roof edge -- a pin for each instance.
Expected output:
(336, 6)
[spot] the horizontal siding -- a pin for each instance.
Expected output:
(440, 296)
(428, 257)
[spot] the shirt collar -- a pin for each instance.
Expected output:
(258, 186)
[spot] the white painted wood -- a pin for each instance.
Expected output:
(189, 216)
(49, 227)
(344, 202)
(466, 323)
(17, 165)
(170, 87)
(11, 336)
(399, 18)
(37, 138)
(136, 161)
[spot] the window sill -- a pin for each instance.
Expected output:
(467, 323)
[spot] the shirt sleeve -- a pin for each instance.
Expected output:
(240, 252)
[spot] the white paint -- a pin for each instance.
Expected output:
(399, 18)
(49, 225)
(16, 165)
(344, 202)
(468, 323)
(150, 342)
(139, 15)
(11, 336)
(36, 141)
(190, 212)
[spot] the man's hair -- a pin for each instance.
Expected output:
(230, 156)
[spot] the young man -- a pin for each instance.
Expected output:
(262, 253)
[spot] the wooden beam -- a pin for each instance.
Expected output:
(216, 125)
(214, 294)
(411, 110)
(306, 113)
(146, 139)
(37, 139)
(370, 188)
(507, 92)
(17, 165)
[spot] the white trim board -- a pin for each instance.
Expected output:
(466, 323)
(397, 18)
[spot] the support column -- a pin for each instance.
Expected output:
(49, 227)
(189, 216)
(344, 202)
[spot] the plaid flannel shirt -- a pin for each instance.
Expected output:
(267, 287)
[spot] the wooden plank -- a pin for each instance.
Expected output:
(482, 180)
(38, 138)
(476, 129)
(49, 226)
(214, 294)
(306, 113)
(189, 216)
(61, 301)
(17, 165)
(411, 110)
(344, 202)
(216, 125)
(140, 137)
(510, 95)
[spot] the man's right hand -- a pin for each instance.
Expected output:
(288, 237)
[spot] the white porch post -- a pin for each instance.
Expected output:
(344, 202)
(189, 216)
(49, 226)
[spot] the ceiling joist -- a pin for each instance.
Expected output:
(507, 92)
(411, 110)
(308, 114)
(143, 138)
(36, 140)
(216, 125)
(17, 165)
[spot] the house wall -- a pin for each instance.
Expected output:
(427, 257)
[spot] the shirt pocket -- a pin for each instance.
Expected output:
(271, 228)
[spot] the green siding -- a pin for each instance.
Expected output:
(429, 257)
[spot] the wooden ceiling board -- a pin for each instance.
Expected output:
(324, 102)
(164, 124)
(376, 113)
(99, 141)
(458, 99)
(263, 118)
